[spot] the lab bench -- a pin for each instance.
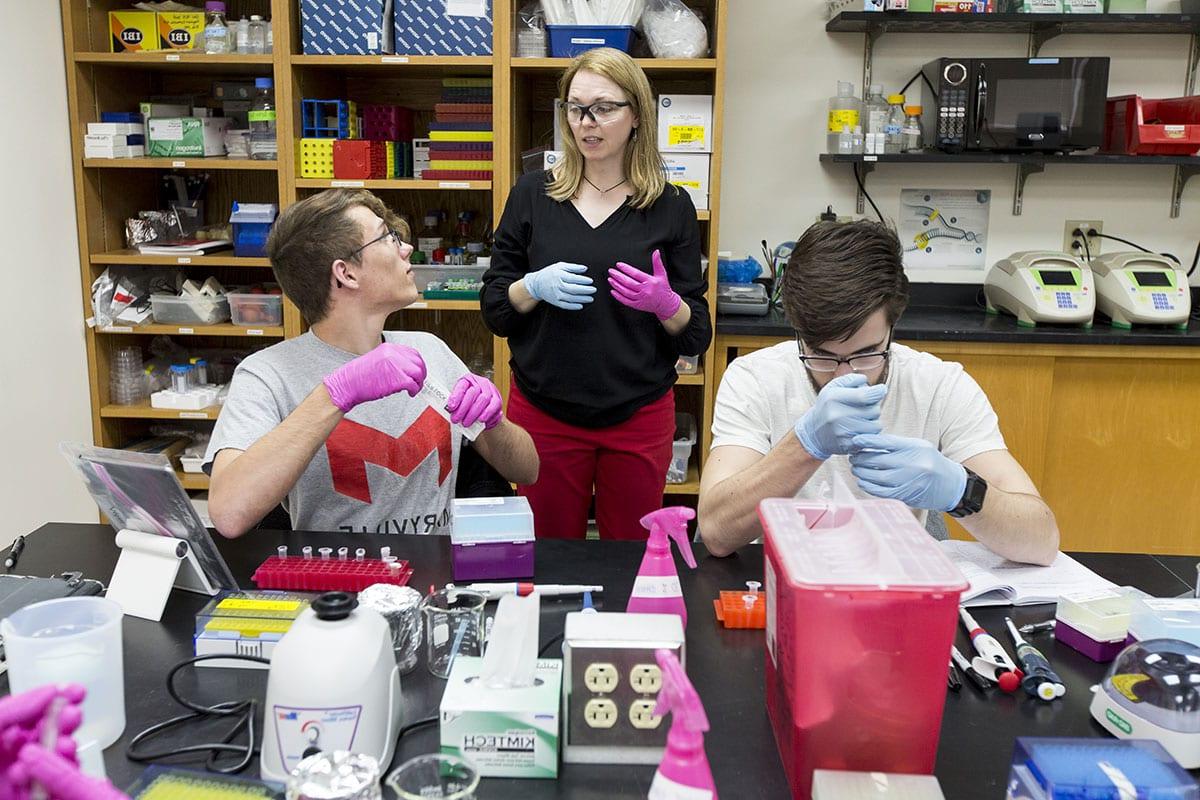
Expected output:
(725, 665)
(1105, 421)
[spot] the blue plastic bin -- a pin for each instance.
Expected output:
(251, 225)
(568, 41)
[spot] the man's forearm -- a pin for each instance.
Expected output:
(510, 449)
(1020, 527)
(245, 490)
(728, 514)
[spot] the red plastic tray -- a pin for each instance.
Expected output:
(1145, 126)
(328, 574)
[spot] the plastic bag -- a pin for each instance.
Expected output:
(673, 30)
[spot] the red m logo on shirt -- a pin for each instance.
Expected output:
(352, 446)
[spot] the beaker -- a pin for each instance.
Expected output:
(434, 777)
(453, 626)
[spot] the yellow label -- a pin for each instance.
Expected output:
(842, 118)
(132, 31)
(234, 604)
(688, 184)
(684, 134)
(1126, 684)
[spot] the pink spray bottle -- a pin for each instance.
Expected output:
(683, 773)
(656, 589)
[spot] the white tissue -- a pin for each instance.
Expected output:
(511, 657)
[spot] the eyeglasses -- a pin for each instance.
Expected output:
(863, 362)
(388, 234)
(601, 113)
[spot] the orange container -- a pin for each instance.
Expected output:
(734, 612)
(1142, 126)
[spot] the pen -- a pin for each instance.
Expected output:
(494, 591)
(18, 547)
(953, 682)
(1037, 627)
(964, 666)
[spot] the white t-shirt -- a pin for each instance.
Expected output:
(763, 394)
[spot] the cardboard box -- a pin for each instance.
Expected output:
(685, 123)
(180, 30)
(335, 27)
(505, 733)
(151, 110)
(420, 156)
(690, 171)
(446, 28)
(169, 137)
(116, 129)
(132, 31)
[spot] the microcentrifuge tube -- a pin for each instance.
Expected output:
(343, 553)
(281, 551)
(325, 551)
(753, 586)
(749, 599)
(385, 552)
(306, 551)
(360, 554)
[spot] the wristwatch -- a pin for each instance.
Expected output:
(972, 499)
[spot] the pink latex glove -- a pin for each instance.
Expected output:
(387, 369)
(475, 399)
(59, 778)
(634, 288)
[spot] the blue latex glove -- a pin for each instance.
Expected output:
(563, 285)
(845, 408)
(912, 471)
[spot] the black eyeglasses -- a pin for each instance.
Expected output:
(389, 233)
(602, 112)
(863, 362)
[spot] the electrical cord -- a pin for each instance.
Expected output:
(1135, 244)
(546, 647)
(1087, 248)
(243, 712)
(863, 189)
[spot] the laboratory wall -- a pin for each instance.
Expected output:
(782, 66)
(43, 365)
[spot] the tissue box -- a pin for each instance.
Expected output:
(505, 733)
(492, 538)
(450, 28)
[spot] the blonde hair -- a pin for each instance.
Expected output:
(643, 164)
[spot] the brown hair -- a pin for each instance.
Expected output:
(839, 274)
(309, 236)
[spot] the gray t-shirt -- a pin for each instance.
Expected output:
(390, 464)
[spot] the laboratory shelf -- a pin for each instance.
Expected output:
(192, 480)
(650, 65)
(182, 61)
(877, 23)
(443, 305)
(134, 258)
(396, 183)
(691, 379)
(390, 65)
(275, 332)
(181, 163)
(143, 410)
(690, 486)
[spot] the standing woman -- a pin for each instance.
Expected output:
(596, 283)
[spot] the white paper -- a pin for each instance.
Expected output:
(944, 229)
(996, 581)
(466, 8)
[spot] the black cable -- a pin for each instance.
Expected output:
(1087, 249)
(546, 647)
(863, 189)
(1143, 249)
(412, 726)
(243, 712)
(1195, 260)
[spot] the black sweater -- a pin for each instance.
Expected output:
(598, 366)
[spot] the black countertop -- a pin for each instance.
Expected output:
(953, 316)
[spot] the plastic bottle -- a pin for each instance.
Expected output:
(684, 772)
(201, 371)
(270, 48)
(845, 141)
(216, 29)
(179, 378)
(911, 139)
(263, 145)
(241, 35)
(895, 124)
(845, 110)
(258, 34)
(876, 112)
(856, 139)
(430, 239)
(656, 589)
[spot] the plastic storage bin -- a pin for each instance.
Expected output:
(423, 274)
(861, 611)
(492, 538)
(169, 309)
(251, 225)
(1094, 623)
(1164, 618)
(1175, 130)
(1062, 767)
(568, 41)
(681, 448)
(251, 310)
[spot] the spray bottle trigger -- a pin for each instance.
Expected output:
(673, 521)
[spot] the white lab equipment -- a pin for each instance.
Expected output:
(1141, 288)
(333, 685)
(1041, 286)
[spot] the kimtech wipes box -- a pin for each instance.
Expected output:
(505, 733)
(346, 27)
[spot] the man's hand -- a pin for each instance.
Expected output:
(845, 408)
(387, 369)
(912, 471)
(475, 399)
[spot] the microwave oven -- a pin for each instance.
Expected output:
(1016, 104)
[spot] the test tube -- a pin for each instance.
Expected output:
(325, 551)
(343, 553)
(281, 551)
(306, 551)
(360, 553)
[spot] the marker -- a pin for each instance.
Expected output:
(964, 666)
(494, 591)
(17, 548)
(1040, 680)
(992, 661)
(953, 682)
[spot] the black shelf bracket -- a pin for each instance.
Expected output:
(1183, 173)
(1040, 34)
(1024, 170)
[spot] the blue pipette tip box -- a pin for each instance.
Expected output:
(1096, 769)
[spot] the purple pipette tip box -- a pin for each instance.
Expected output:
(492, 538)
(1077, 640)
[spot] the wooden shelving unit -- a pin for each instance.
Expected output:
(108, 191)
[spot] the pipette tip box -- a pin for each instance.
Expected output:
(1096, 769)
(832, 784)
(1094, 622)
(173, 783)
(492, 538)
(246, 623)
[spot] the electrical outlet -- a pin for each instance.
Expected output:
(645, 678)
(1073, 244)
(602, 678)
(600, 712)
(641, 715)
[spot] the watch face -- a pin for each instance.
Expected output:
(972, 500)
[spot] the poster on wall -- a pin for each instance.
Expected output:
(944, 229)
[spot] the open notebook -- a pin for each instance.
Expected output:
(996, 581)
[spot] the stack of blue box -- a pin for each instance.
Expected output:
(450, 28)
(348, 27)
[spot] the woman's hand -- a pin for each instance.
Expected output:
(634, 288)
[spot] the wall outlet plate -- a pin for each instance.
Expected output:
(1073, 245)
(611, 681)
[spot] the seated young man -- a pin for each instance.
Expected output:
(844, 399)
(329, 423)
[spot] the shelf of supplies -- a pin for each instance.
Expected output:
(143, 410)
(703, 214)
(690, 486)
(1027, 164)
(650, 65)
(691, 379)
(444, 305)
(195, 330)
(440, 65)
(175, 59)
(192, 480)
(180, 163)
(1054, 24)
(220, 259)
(398, 183)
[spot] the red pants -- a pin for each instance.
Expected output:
(627, 464)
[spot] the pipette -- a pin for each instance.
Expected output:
(993, 661)
(494, 591)
(1040, 679)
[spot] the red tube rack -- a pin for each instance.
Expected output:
(329, 574)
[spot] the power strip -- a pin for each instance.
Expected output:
(610, 686)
